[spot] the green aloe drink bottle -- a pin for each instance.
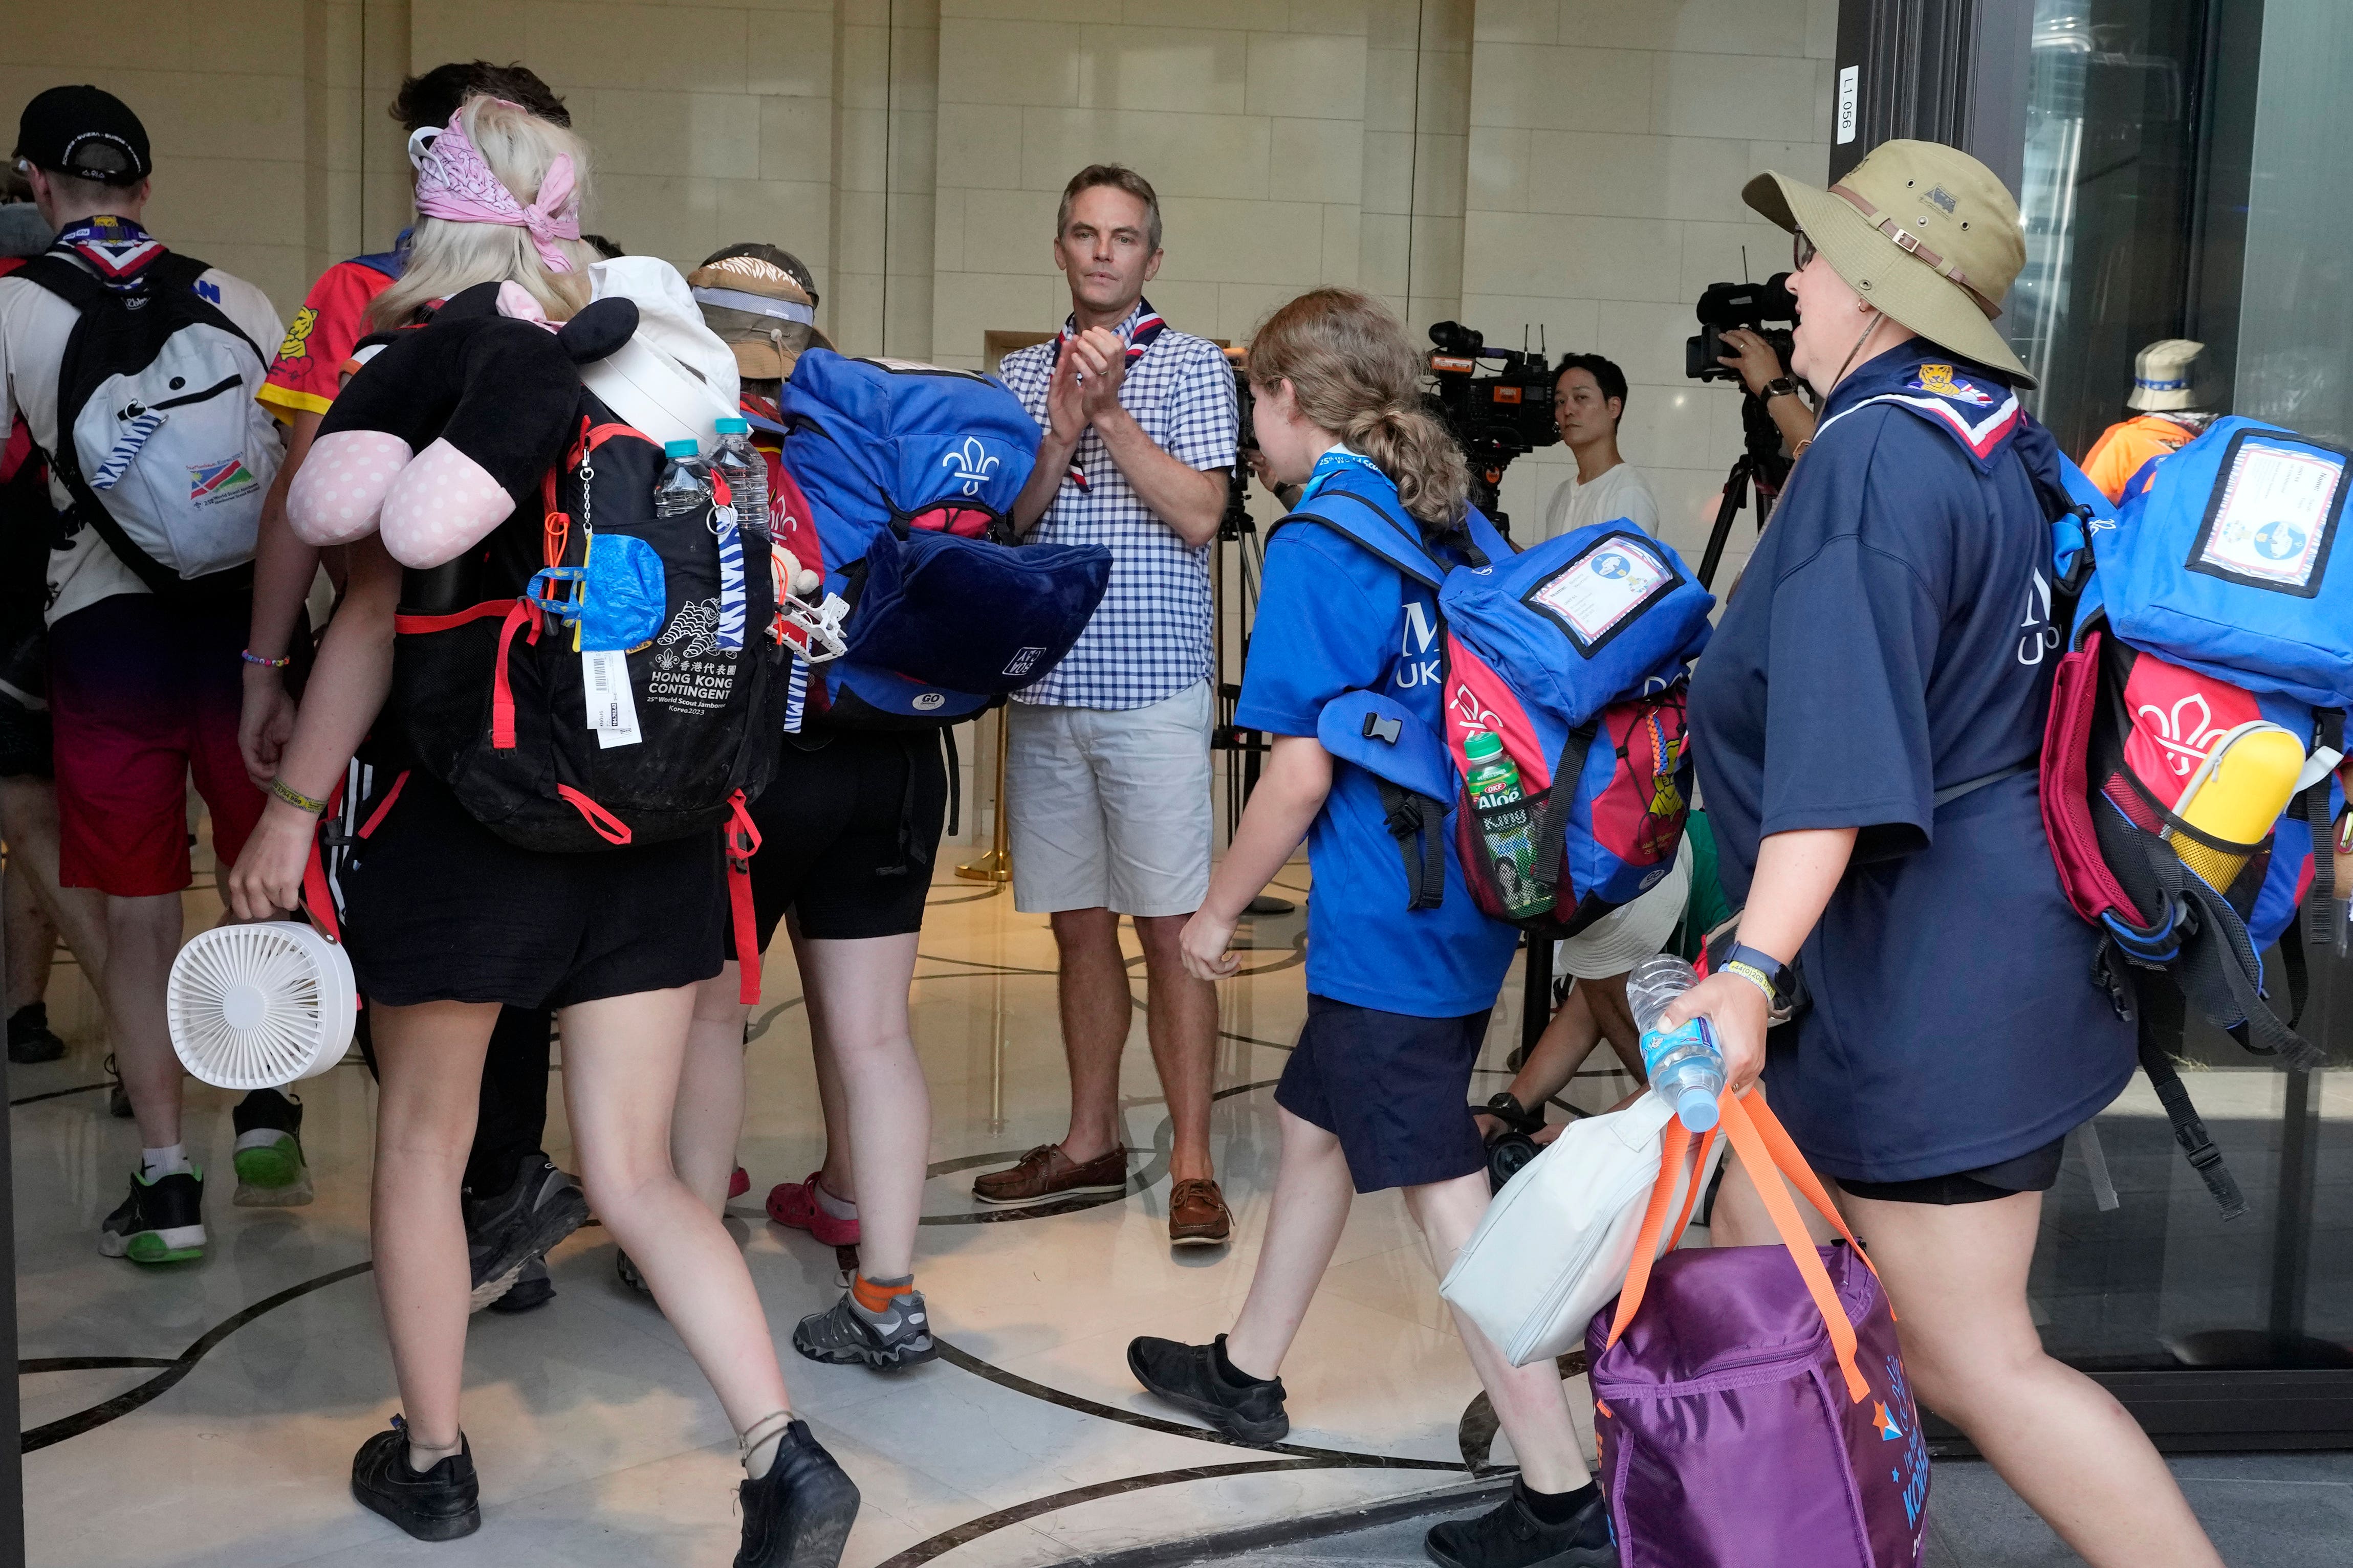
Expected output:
(1504, 825)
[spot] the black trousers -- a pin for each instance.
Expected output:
(511, 1116)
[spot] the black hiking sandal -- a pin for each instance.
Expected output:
(441, 1504)
(30, 1038)
(798, 1515)
(506, 1230)
(270, 1169)
(162, 1221)
(1510, 1535)
(1188, 1377)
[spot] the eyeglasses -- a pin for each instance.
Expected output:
(1801, 250)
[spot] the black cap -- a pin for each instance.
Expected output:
(85, 131)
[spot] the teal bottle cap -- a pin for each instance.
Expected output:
(684, 446)
(734, 424)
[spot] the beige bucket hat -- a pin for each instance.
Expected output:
(2161, 379)
(1923, 232)
(761, 311)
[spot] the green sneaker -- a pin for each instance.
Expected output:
(162, 1221)
(271, 1171)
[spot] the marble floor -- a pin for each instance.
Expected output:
(206, 1415)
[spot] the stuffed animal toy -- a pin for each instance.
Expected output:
(451, 427)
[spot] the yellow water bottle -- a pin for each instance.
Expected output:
(2235, 797)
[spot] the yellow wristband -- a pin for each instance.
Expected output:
(1756, 977)
(296, 799)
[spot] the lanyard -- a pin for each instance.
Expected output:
(1339, 460)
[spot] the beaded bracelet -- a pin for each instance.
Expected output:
(252, 658)
(296, 799)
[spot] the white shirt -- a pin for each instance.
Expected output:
(1619, 493)
(33, 327)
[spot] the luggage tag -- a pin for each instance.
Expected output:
(612, 707)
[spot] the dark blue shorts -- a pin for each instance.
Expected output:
(1394, 1089)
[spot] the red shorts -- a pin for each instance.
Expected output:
(143, 695)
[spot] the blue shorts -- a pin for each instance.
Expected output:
(1394, 1089)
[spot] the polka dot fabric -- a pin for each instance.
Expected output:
(340, 488)
(442, 505)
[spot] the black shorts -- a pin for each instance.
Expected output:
(2036, 1171)
(25, 750)
(436, 908)
(848, 831)
(1393, 1088)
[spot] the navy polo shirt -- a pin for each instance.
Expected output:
(1892, 638)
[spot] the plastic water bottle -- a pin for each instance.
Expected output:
(745, 470)
(1503, 824)
(1684, 1064)
(684, 487)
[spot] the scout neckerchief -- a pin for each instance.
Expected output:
(1143, 325)
(1961, 399)
(1339, 460)
(117, 249)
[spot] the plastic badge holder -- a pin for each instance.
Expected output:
(262, 1005)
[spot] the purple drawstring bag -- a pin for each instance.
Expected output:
(1751, 1409)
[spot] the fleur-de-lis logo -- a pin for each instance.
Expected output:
(2186, 731)
(1472, 714)
(972, 463)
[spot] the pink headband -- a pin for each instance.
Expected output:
(453, 183)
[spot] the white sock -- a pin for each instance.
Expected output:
(156, 1164)
(834, 1208)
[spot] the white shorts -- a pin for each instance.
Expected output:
(1109, 809)
(1631, 933)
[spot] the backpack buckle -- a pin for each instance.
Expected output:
(546, 585)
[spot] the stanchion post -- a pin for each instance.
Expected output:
(997, 864)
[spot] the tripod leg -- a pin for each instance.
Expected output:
(1735, 495)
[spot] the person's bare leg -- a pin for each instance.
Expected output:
(1530, 1406)
(32, 941)
(1311, 1194)
(621, 1061)
(1558, 1052)
(1615, 1019)
(143, 937)
(428, 1082)
(838, 1177)
(1181, 1020)
(1097, 1012)
(709, 1120)
(28, 821)
(1956, 1277)
(867, 1040)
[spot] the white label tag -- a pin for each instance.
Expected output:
(1850, 90)
(612, 707)
(1601, 587)
(2272, 522)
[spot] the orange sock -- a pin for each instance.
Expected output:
(876, 1298)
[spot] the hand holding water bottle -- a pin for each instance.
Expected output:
(1682, 1059)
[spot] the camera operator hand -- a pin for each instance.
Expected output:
(1758, 367)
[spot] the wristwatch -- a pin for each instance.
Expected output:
(1778, 979)
(1780, 387)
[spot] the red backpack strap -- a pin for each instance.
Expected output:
(742, 841)
(316, 898)
(503, 707)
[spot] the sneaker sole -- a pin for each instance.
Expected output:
(1201, 1240)
(1258, 1434)
(179, 1244)
(271, 1159)
(561, 1216)
(490, 1290)
(463, 1524)
(1118, 1186)
(897, 1359)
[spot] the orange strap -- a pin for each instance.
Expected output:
(1752, 1147)
(1676, 1139)
(742, 841)
(1784, 1150)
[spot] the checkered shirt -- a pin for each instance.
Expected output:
(1150, 637)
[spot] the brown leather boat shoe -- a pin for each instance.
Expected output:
(1046, 1171)
(1198, 1216)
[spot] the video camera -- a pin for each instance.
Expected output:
(1494, 417)
(1724, 306)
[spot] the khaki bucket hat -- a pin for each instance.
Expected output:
(2161, 379)
(761, 311)
(1923, 232)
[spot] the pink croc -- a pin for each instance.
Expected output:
(793, 1204)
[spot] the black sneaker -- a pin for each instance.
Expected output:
(118, 1099)
(1510, 1535)
(890, 1341)
(1187, 1376)
(30, 1038)
(506, 1230)
(162, 1221)
(799, 1514)
(270, 1169)
(531, 1289)
(442, 1504)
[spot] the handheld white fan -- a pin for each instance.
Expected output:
(258, 1006)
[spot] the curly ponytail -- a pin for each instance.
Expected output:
(1356, 375)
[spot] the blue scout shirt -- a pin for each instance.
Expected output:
(1334, 618)
(1891, 638)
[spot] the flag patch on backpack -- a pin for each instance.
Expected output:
(209, 484)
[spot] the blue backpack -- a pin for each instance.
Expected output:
(2216, 613)
(897, 483)
(1574, 653)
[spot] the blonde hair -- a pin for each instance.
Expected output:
(445, 256)
(1356, 376)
